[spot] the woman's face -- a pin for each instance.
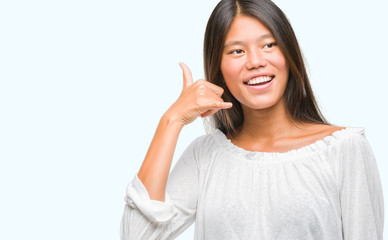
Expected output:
(254, 68)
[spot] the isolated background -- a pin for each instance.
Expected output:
(83, 85)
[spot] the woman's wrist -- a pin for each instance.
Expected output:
(170, 120)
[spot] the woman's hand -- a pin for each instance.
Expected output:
(200, 98)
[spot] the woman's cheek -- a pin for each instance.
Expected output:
(231, 69)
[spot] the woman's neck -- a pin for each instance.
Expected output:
(272, 130)
(267, 124)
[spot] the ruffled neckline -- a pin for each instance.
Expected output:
(312, 148)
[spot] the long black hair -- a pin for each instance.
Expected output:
(299, 98)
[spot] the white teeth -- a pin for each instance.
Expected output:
(259, 80)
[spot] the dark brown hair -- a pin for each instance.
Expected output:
(300, 102)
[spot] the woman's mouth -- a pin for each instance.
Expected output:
(257, 81)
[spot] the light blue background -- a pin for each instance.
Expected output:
(83, 85)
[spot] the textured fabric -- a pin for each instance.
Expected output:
(329, 190)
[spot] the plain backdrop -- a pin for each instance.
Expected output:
(83, 85)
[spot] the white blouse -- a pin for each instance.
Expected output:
(330, 190)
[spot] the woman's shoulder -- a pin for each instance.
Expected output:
(321, 137)
(332, 139)
(340, 136)
(315, 132)
(212, 141)
(317, 137)
(208, 139)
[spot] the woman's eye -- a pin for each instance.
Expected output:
(270, 45)
(238, 51)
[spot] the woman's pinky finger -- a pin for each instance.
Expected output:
(222, 105)
(226, 105)
(214, 107)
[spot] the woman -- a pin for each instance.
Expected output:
(274, 168)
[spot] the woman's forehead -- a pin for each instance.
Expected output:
(246, 28)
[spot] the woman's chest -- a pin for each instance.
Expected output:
(294, 200)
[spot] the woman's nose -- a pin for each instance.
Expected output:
(255, 59)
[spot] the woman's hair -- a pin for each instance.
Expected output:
(299, 99)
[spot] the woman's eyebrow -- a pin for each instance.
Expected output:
(262, 37)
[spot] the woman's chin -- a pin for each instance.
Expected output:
(265, 104)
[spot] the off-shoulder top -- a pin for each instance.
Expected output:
(328, 190)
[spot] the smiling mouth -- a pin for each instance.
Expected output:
(257, 81)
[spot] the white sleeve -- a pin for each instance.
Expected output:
(361, 194)
(144, 218)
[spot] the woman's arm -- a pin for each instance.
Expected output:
(150, 213)
(197, 99)
(156, 165)
(361, 195)
(144, 218)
